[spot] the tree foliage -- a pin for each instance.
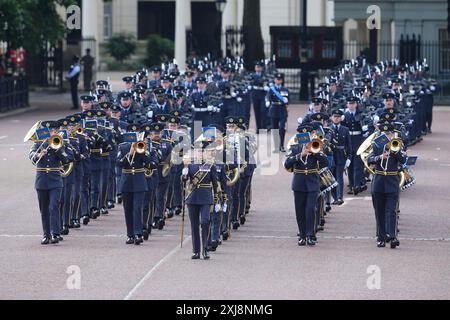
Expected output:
(159, 49)
(32, 23)
(121, 46)
(254, 44)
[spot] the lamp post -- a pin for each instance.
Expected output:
(304, 56)
(220, 5)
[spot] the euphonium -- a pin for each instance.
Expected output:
(67, 169)
(232, 177)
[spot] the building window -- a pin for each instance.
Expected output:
(285, 48)
(329, 49)
(444, 50)
(107, 19)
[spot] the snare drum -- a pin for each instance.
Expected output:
(327, 181)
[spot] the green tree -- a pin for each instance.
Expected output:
(254, 44)
(159, 49)
(121, 46)
(32, 23)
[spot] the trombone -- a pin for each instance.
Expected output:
(55, 142)
(139, 147)
(393, 146)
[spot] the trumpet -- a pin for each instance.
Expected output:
(140, 147)
(80, 131)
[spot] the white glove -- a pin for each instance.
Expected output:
(239, 99)
(210, 108)
(285, 100)
(185, 171)
(233, 94)
(266, 88)
(365, 127)
(215, 109)
(150, 114)
(347, 163)
(267, 104)
(224, 207)
(249, 87)
(217, 207)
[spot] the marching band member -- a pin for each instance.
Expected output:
(134, 159)
(385, 187)
(202, 178)
(49, 156)
(277, 100)
(306, 186)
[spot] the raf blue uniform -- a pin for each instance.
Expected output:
(385, 192)
(341, 153)
(356, 168)
(199, 201)
(306, 188)
(79, 175)
(49, 185)
(133, 186)
(69, 182)
(152, 184)
(278, 110)
(258, 99)
(163, 183)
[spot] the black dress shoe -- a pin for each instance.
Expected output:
(335, 202)
(65, 230)
(177, 211)
(161, 224)
(235, 225)
(314, 238)
(110, 205)
(130, 240)
(138, 240)
(145, 234)
(381, 243)
(76, 224)
(85, 220)
(328, 208)
(195, 256)
(119, 199)
(225, 236)
(45, 240)
(362, 188)
(242, 220)
(54, 239)
(322, 222)
(310, 241)
(355, 190)
(282, 149)
(71, 225)
(205, 254)
(350, 191)
(94, 212)
(214, 245)
(60, 238)
(394, 243)
(103, 211)
(302, 242)
(340, 202)
(319, 228)
(169, 213)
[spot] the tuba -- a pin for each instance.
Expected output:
(365, 149)
(66, 170)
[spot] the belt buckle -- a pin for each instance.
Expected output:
(47, 170)
(132, 171)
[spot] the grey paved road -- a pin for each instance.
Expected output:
(260, 261)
